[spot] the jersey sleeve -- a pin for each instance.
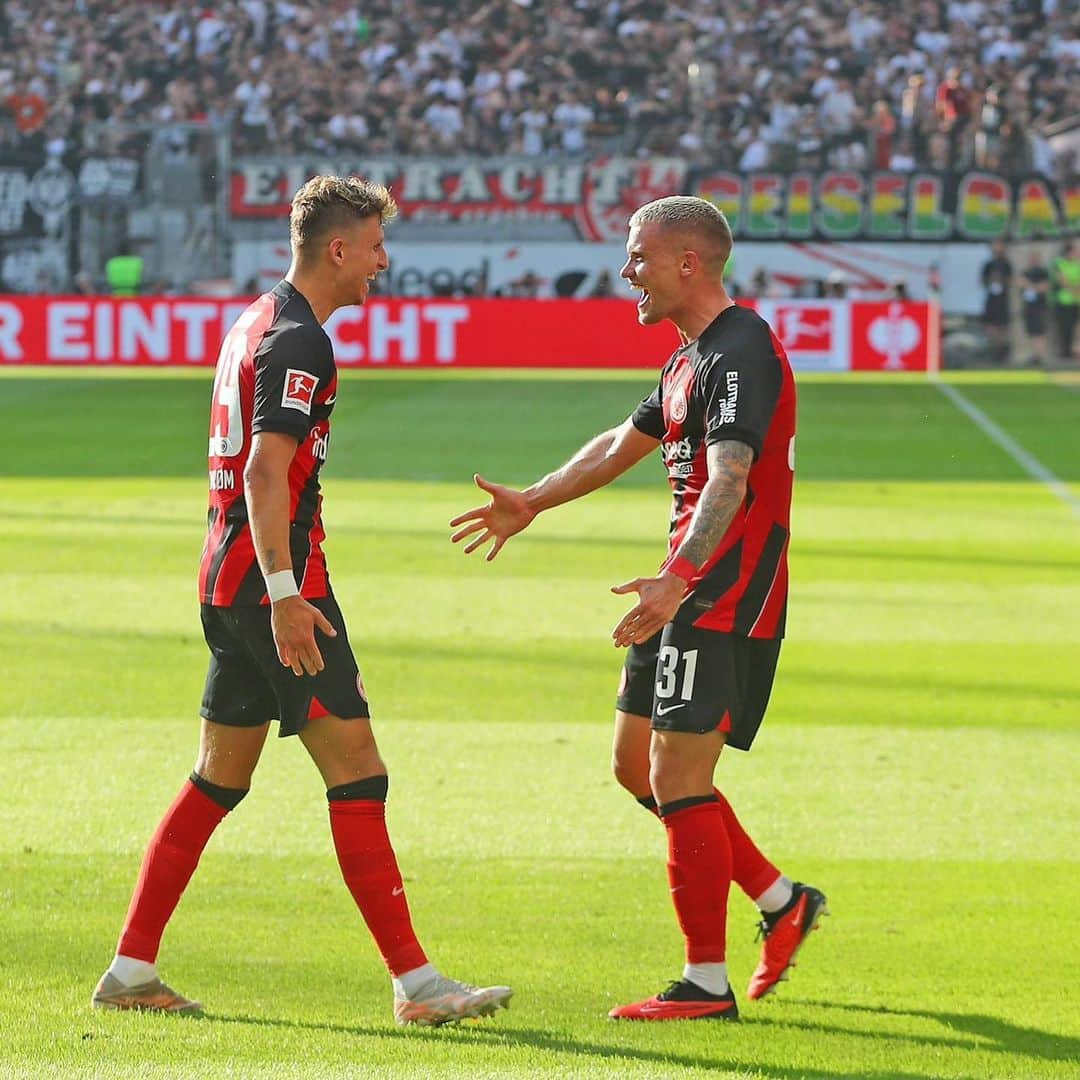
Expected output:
(741, 388)
(291, 368)
(648, 417)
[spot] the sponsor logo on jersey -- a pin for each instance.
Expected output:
(678, 456)
(729, 406)
(320, 442)
(299, 390)
(678, 405)
(677, 450)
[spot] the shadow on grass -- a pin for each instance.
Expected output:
(556, 1043)
(1001, 1036)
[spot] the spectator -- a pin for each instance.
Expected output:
(882, 127)
(953, 105)
(996, 277)
(572, 117)
(1065, 275)
(1035, 285)
(836, 285)
(755, 155)
(839, 112)
(28, 108)
(949, 82)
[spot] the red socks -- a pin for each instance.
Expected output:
(750, 870)
(699, 872)
(167, 866)
(371, 872)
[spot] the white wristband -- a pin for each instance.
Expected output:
(280, 584)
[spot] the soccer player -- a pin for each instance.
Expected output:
(704, 637)
(278, 644)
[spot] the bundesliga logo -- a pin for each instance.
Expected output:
(299, 391)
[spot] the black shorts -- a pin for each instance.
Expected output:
(694, 680)
(1035, 319)
(247, 684)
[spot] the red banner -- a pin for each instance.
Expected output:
(819, 335)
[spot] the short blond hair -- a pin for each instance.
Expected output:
(326, 203)
(698, 220)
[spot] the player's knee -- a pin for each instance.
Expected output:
(632, 775)
(220, 770)
(226, 797)
(675, 775)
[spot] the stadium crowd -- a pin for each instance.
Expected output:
(741, 84)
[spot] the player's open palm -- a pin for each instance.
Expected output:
(293, 621)
(507, 513)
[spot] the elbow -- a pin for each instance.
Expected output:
(255, 476)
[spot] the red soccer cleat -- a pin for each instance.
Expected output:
(682, 1000)
(784, 932)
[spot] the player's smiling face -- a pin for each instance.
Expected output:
(363, 257)
(653, 266)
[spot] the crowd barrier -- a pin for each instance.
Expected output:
(832, 335)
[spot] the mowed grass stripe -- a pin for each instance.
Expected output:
(1027, 461)
(306, 984)
(385, 427)
(483, 790)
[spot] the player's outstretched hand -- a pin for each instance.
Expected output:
(659, 599)
(506, 514)
(293, 621)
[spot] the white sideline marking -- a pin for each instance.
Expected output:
(1028, 462)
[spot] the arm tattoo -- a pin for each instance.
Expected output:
(721, 499)
(271, 560)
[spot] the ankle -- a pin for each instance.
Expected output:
(132, 972)
(409, 983)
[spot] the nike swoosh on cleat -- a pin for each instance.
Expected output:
(397, 890)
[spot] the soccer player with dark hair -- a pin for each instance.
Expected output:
(704, 637)
(278, 644)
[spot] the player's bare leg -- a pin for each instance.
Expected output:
(630, 755)
(345, 753)
(222, 777)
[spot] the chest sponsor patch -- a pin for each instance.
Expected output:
(299, 390)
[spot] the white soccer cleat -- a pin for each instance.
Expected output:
(153, 996)
(445, 1001)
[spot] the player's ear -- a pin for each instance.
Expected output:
(336, 249)
(690, 264)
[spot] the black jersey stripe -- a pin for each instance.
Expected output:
(723, 576)
(235, 524)
(748, 609)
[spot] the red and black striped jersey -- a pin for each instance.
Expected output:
(733, 382)
(275, 373)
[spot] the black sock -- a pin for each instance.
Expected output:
(226, 797)
(370, 789)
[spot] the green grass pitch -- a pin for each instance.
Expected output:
(919, 762)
